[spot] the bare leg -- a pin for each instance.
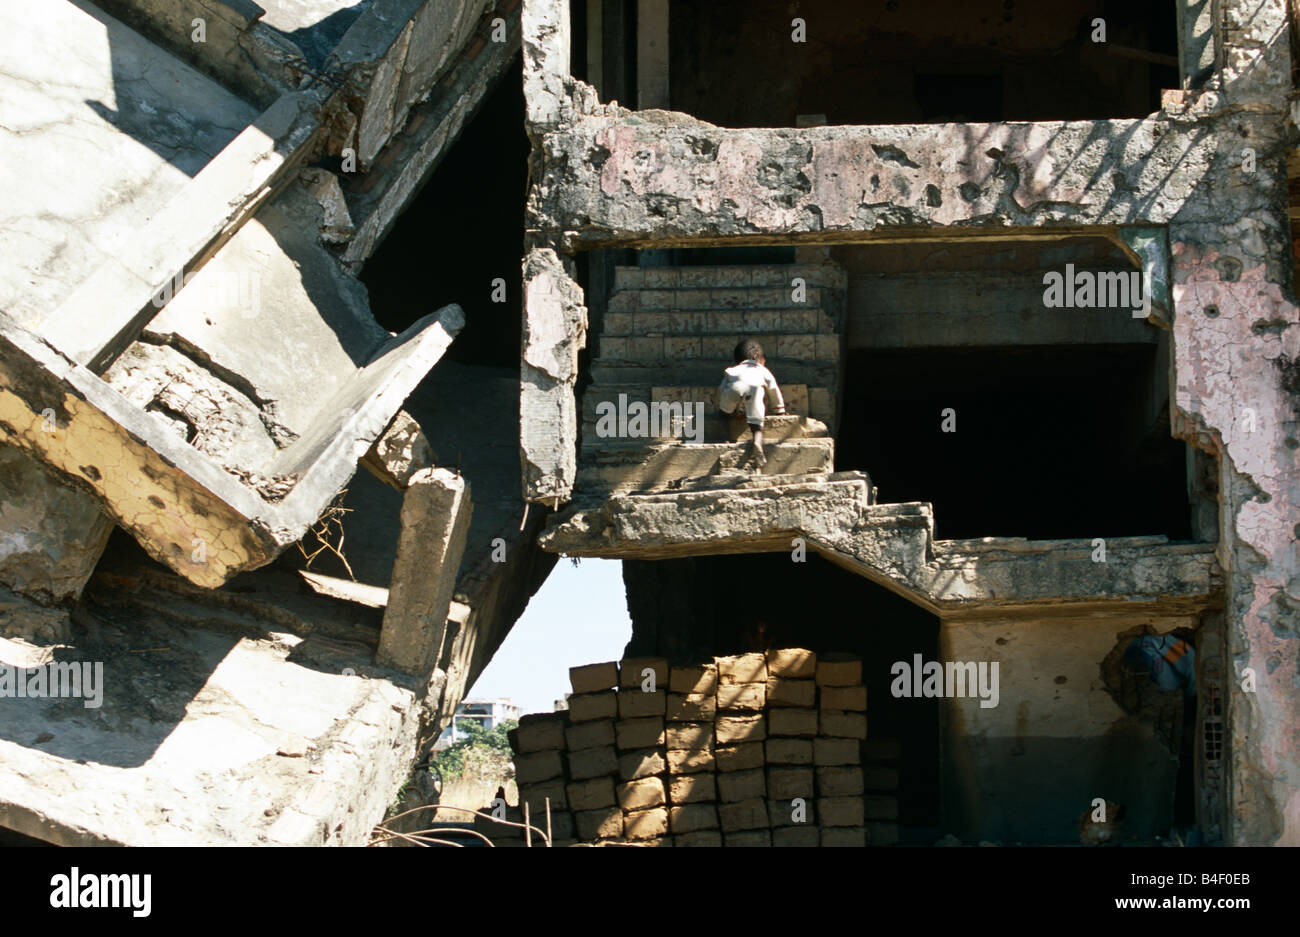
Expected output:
(759, 454)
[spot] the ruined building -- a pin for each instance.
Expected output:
(291, 431)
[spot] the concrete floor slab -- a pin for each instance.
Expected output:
(80, 84)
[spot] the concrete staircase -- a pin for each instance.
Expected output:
(667, 336)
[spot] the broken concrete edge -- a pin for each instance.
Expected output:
(436, 513)
(400, 451)
(193, 226)
(891, 544)
(54, 534)
(554, 331)
(209, 506)
(390, 57)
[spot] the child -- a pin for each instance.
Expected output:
(750, 380)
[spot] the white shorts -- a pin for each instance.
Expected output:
(730, 395)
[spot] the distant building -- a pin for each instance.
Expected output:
(488, 713)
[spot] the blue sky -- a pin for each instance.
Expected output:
(578, 616)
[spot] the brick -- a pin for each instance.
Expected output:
(789, 751)
(590, 735)
(844, 836)
(641, 793)
(793, 663)
(642, 764)
(801, 835)
(882, 833)
(699, 838)
(742, 785)
(688, 762)
(835, 751)
(748, 838)
(739, 757)
(688, 818)
(840, 811)
(788, 783)
(539, 731)
(592, 678)
(646, 824)
(604, 823)
(744, 668)
(631, 676)
(742, 696)
(783, 692)
(838, 781)
(692, 788)
(844, 697)
(592, 763)
(801, 722)
(590, 795)
(634, 704)
(591, 706)
(880, 808)
(879, 778)
(690, 708)
(633, 734)
(843, 725)
(562, 825)
(743, 815)
(838, 670)
(732, 729)
(876, 750)
(701, 680)
(538, 766)
(536, 795)
(689, 736)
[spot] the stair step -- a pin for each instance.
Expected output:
(617, 469)
(790, 319)
(780, 349)
(706, 371)
(717, 298)
(729, 275)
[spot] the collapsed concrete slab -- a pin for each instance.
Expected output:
(226, 730)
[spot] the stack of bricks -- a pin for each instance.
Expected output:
(754, 750)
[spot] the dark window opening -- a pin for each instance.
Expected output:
(463, 231)
(1045, 443)
(920, 61)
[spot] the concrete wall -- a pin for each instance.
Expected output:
(1025, 770)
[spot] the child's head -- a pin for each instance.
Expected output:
(747, 349)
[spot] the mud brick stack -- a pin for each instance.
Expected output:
(759, 749)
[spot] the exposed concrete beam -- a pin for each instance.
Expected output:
(663, 179)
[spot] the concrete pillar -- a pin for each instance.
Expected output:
(652, 54)
(435, 523)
